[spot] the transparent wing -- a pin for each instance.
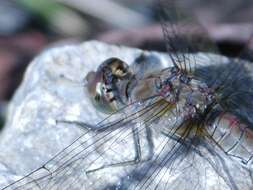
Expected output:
(69, 167)
(99, 159)
(230, 78)
(106, 156)
(183, 34)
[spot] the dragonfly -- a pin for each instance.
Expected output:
(178, 127)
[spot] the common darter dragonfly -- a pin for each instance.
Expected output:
(187, 126)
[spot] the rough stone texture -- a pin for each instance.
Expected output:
(52, 90)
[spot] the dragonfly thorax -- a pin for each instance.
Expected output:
(194, 98)
(191, 96)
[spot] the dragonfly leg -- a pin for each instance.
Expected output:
(138, 157)
(79, 124)
(137, 146)
(150, 143)
(136, 138)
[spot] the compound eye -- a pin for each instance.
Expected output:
(101, 101)
(102, 84)
(118, 68)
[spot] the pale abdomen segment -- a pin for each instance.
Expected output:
(233, 137)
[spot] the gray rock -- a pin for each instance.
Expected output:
(52, 89)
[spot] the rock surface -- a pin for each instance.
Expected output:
(52, 89)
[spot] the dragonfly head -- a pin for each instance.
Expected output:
(102, 85)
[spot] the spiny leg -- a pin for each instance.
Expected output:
(79, 124)
(135, 131)
(137, 159)
(150, 142)
(147, 121)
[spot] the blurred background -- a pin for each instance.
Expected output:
(29, 26)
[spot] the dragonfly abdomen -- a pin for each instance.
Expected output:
(233, 137)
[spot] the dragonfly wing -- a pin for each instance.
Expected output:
(101, 145)
(183, 34)
(180, 162)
